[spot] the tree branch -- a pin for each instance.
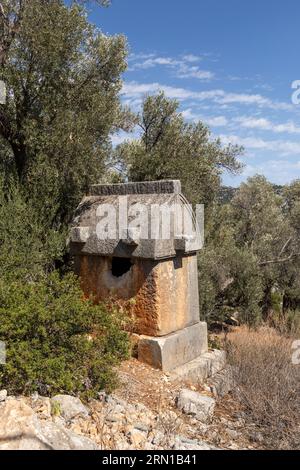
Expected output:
(279, 260)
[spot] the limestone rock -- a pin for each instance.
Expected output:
(197, 405)
(232, 434)
(60, 438)
(42, 406)
(3, 395)
(20, 429)
(182, 443)
(70, 407)
(137, 438)
(221, 383)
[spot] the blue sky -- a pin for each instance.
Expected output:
(229, 63)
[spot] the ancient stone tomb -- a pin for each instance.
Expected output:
(131, 241)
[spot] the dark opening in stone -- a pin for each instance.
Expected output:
(120, 266)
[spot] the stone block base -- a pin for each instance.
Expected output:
(201, 368)
(174, 350)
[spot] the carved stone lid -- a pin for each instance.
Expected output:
(141, 220)
(144, 187)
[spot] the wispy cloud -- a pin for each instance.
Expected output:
(277, 171)
(186, 71)
(265, 124)
(245, 109)
(181, 66)
(213, 121)
(152, 61)
(137, 90)
(284, 147)
(191, 58)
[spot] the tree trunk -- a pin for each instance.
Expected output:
(267, 302)
(20, 159)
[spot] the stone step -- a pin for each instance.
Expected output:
(173, 350)
(200, 369)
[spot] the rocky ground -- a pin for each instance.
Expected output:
(148, 411)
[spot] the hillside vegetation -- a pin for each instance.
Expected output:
(63, 79)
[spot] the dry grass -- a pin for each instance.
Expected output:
(267, 383)
(287, 324)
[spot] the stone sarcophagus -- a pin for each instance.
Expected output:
(139, 242)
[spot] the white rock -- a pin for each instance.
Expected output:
(3, 395)
(137, 438)
(197, 405)
(70, 407)
(141, 427)
(232, 434)
(20, 429)
(158, 438)
(188, 444)
(42, 406)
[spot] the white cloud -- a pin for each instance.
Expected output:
(137, 90)
(219, 96)
(266, 125)
(215, 121)
(185, 71)
(133, 57)
(254, 99)
(182, 65)
(276, 171)
(191, 58)
(284, 147)
(153, 62)
(122, 136)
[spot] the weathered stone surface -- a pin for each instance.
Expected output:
(3, 395)
(136, 427)
(59, 438)
(190, 444)
(147, 187)
(20, 429)
(178, 304)
(42, 406)
(165, 293)
(80, 234)
(70, 407)
(156, 212)
(193, 403)
(174, 350)
(152, 262)
(233, 434)
(221, 383)
(201, 368)
(137, 438)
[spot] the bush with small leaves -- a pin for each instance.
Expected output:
(57, 341)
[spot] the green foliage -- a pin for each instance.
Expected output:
(63, 80)
(229, 278)
(169, 147)
(56, 341)
(250, 264)
(28, 247)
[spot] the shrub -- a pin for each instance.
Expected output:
(56, 341)
(28, 248)
(287, 323)
(267, 383)
(229, 284)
